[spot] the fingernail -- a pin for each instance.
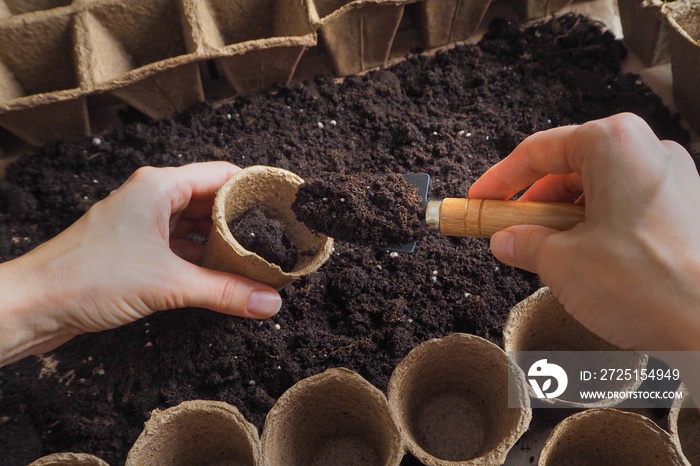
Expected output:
(503, 246)
(264, 304)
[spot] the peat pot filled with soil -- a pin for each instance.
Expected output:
(452, 115)
(255, 232)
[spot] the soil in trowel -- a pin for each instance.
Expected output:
(265, 237)
(365, 209)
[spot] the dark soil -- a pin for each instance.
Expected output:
(452, 116)
(265, 237)
(374, 210)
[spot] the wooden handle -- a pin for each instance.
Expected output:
(482, 218)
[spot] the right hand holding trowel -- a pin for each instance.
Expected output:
(631, 271)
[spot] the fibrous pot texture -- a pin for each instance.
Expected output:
(332, 419)
(273, 190)
(451, 399)
(541, 324)
(609, 436)
(197, 432)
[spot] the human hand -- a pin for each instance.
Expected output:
(126, 258)
(631, 272)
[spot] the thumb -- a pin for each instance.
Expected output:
(522, 246)
(229, 294)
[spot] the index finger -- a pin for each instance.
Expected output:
(196, 182)
(538, 155)
(205, 178)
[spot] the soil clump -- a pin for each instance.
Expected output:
(373, 210)
(265, 237)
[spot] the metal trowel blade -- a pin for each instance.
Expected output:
(422, 183)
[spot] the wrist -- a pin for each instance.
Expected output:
(26, 326)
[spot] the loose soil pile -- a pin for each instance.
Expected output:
(371, 210)
(452, 116)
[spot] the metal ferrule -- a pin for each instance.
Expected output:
(432, 215)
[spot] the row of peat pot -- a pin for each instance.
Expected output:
(65, 65)
(662, 31)
(456, 400)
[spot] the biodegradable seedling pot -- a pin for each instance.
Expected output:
(357, 34)
(533, 9)
(609, 436)
(333, 418)
(255, 43)
(40, 95)
(274, 190)
(450, 398)
(138, 51)
(196, 432)
(69, 459)
(20, 7)
(645, 29)
(540, 323)
(684, 426)
(684, 43)
(37, 55)
(444, 21)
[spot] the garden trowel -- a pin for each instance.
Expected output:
(479, 218)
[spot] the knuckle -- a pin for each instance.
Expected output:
(625, 127)
(144, 174)
(156, 180)
(226, 292)
(613, 138)
(626, 122)
(549, 253)
(676, 149)
(673, 146)
(618, 129)
(526, 248)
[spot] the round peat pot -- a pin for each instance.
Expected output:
(272, 190)
(609, 436)
(196, 432)
(684, 425)
(450, 399)
(539, 324)
(69, 459)
(331, 419)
